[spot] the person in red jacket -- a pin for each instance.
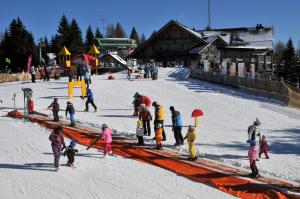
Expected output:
(30, 106)
(264, 147)
(143, 99)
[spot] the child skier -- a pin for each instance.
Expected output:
(55, 108)
(70, 109)
(30, 106)
(106, 136)
(140, 132)
(191, 139)
(158, 135)
(136, 102)
(70, 152)
(90, 99)
(264, 147)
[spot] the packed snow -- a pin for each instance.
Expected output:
(27, 162)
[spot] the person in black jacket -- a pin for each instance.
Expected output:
(55, 108)
(70, 109)
(70, 152)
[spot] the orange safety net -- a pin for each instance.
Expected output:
(215, 175)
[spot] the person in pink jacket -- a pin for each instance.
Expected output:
(106, 137)
(264, 147)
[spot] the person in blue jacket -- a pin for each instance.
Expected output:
(177, 126)
(90, 99)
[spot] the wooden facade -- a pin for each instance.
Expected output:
(175, 44)
(170, 44)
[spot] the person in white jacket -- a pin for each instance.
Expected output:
(140, 132)
(32, 72)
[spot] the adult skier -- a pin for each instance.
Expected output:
(90, 100)
(253, 133)
(57, 144)
(176, 126)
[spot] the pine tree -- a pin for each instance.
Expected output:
(17, 45)
(278, 59)
(142, 39)
(64, 32)
(290, 61)
(76, 43)
(111, 31)
(55, 44)
(98, 34)
(134, 35)
(120, 33)
(89, 38)
(45, 49)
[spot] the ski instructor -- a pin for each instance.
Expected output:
(57, 144)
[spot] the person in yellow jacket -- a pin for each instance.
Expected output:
(159, 118)
(191, 139)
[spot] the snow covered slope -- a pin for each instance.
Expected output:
(221, 137)
(26, 171)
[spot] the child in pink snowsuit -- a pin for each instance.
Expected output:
(106, 136)
(264, 147)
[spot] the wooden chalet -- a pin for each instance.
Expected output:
(221, 49)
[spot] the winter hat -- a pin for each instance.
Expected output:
(136, 95)
(139, 123)
(172, 108)
(58, 129)
(69, 102)
(191, 128)
(155, 104)
(257, 122)
(72, 143)
(104, 126)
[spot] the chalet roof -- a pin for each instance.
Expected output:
(209, 41)
(195, 34)
(246, 36)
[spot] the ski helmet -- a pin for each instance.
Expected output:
(73, 143)
(104, 126)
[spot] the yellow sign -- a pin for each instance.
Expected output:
(79, 83)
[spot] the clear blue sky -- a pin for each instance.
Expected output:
(42, 17)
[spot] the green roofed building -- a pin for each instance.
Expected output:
(122, 46)
(116, 43)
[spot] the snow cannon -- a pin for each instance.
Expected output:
(197, 114)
